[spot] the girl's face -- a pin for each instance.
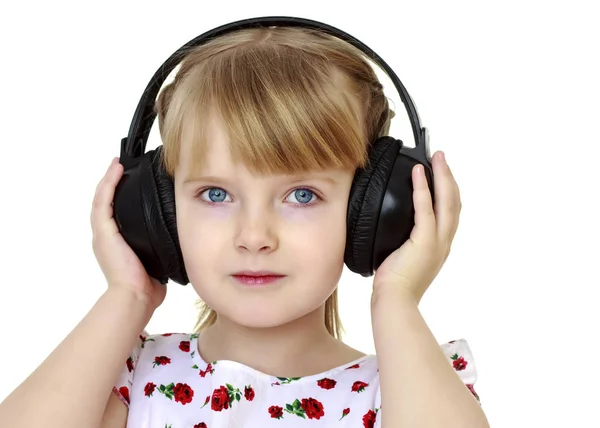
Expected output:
(231, 221)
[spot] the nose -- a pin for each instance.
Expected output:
(256, 232)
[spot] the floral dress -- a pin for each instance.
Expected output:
(166, 384)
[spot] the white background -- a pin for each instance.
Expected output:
(509, 90)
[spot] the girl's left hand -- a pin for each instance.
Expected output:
(413, 267)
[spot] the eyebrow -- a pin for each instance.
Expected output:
(213, 178)
(308, 177)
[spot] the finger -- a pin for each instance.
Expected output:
(102, 209)
(102, 195)
(447, 206)
(425, 221)
(457, 203)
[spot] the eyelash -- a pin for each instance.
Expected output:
(307, 205)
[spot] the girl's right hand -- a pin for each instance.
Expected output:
(120, 265)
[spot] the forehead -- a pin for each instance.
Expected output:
(217, 160)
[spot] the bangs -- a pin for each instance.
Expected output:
(283, 111)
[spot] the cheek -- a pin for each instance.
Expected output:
(194, 217)
(199, 229)
(317, 236)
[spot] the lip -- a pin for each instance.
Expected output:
(257, 273)
(257, 278)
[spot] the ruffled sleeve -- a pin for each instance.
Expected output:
(460, 357)
(122, 386)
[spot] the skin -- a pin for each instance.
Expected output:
(263, 223)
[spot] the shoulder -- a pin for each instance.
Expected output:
(165, 348)
(150, 351)
(154, 342)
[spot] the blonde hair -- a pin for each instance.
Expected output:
(291, 100)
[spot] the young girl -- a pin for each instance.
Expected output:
(262, 132)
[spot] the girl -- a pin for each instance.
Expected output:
(262, 132)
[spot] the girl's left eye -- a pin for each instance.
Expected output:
(304, 196)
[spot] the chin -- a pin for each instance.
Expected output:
(262, 312)
(262, 316)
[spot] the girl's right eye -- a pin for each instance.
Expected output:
(212, 195)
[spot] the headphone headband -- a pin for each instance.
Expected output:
(134, 145)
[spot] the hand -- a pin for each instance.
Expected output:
(120, 265)
(412, 268)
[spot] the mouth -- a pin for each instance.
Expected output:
(257, 277)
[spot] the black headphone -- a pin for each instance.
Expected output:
(380, 208)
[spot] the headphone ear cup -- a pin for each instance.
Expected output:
(144, 210)
(165, 236)
(365, 204)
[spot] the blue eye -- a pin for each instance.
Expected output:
(215, 194)
(218, 194)
(304, 196)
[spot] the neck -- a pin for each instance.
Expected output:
(288, 350)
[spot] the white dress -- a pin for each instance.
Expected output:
(166, 384)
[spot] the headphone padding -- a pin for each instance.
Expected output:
(364, 204)
(159, 210)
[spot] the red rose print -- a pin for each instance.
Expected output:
(276, 412)
(326, 383)
(359, 386)
(249, 393)
(184, 345)
(130, 364)
(459, 364)
(220, 399)
(313, 408)
(124, 391)
(142, 338)
(355, 366)
(200, 425)
(369, 419)
(161, 361)
(167, 334)
(183, 393)
(345, 413)
(149, 389)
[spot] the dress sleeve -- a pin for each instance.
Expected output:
(122, 386)
(459, 355)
